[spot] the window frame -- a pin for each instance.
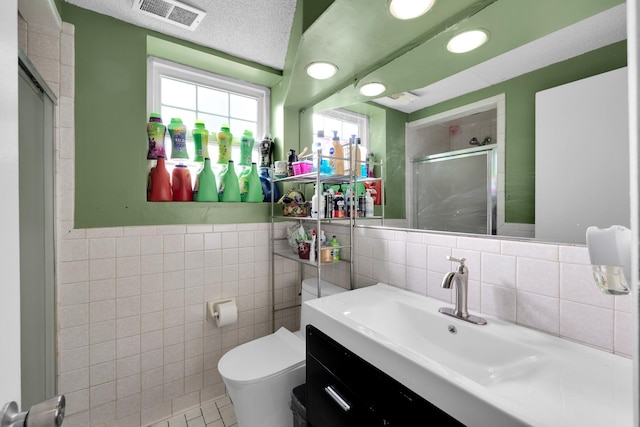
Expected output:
(348, 116)
(158, 68)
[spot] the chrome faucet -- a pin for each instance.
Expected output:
(461, 278)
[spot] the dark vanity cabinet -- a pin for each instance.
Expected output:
(345, 390)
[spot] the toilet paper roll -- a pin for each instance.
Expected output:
(227, 313)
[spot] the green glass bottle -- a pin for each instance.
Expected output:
(230, 187)
(206, 189)
(243, 182)
(254, 194)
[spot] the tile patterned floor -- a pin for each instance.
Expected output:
(218, 413)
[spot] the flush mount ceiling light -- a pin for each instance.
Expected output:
(321, 70)
(467, 41)
(409, 9)
(372, 89)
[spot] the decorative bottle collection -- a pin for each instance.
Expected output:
(206, 186)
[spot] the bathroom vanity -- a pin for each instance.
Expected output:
(380, 355)
(345, 390)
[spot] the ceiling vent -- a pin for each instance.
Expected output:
(404, 97)
(171, 11)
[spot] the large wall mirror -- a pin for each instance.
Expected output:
(439, 103)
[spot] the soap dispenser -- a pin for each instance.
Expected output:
(610, 255)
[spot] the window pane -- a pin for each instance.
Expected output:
(212, 123)
(178, 94)
(213, 101)
(239, 126)
(243, 107)
(349, 129)
(188, 117)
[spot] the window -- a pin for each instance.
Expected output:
(176, 90)
(346, 123)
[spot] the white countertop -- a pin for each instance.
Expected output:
(498, 374)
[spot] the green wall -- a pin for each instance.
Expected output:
(520, 119)
(111, 113)
(110, 127)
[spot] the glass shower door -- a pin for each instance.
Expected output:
(456, 191)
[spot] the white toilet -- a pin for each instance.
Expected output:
(260, 374)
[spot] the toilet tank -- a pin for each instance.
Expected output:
(310, 291)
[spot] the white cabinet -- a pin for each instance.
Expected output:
(582, 157)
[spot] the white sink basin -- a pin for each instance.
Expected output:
(464, 348)
(498, 374)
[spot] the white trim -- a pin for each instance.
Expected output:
(633, 55)
(350, 116)
(157, 67)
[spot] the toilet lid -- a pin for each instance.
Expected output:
(263, 357)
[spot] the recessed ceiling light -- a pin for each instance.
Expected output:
(372, 89)
(321, 70)
(409, 9)
(467, 41)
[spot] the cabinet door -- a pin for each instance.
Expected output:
(331, 403)
(582, 157)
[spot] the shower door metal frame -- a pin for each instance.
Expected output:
(491, 153)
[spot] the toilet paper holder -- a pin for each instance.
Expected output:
(212, 308)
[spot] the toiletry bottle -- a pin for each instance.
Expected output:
(205, 189)
(316, 148)
(266, 152)
(338, 205)
(291, 157)
(328, 203)
(181, 184)
(325, 165)
(360, 166)
(369, 205)
(335, 249)
(230, 188)
(200, 142)
(370, 166)
(178, 134)
(312, 251)
(225, 139)
(254, 193)
(336, 159)
(156, 132)
(317, 206)
(246, 148)
(362, 205)
(159, 183)
(265, 180)
(354, 155)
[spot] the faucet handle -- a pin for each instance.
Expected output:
(461, 261)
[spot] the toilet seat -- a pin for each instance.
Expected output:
(279, 352)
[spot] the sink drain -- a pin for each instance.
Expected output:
(452, 329)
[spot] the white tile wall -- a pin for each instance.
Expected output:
(133, 343)
(547, 287)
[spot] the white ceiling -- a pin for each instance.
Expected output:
(255, 30)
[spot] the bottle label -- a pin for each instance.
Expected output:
(332, 151)
(179, 144)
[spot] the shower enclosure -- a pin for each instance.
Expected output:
(456, 191)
